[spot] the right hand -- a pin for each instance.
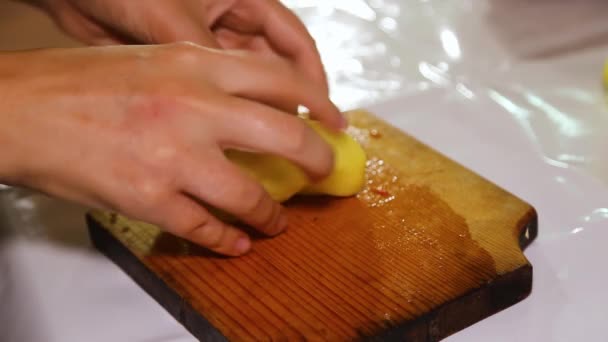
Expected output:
(141, 130)
(264, 27)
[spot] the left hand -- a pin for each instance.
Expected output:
(262, 26)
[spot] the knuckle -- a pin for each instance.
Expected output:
(198, 230)
(150, 191)
(184, 52)
(184, 45)
(253, 199)
(208, 234)
(268, 218)
(166, 152)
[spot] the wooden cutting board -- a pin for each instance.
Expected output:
(426, 249)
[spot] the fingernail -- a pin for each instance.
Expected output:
(242, 245)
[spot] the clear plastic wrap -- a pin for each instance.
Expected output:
(510, 88)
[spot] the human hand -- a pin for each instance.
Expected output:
(142, 129)
(260, 26)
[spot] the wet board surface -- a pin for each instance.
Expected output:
(426, 249)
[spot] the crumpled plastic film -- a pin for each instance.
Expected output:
(510, 88)
(540, 60)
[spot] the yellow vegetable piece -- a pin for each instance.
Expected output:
(605, 75)
(348, 175)
(282, 179)
(279, 177)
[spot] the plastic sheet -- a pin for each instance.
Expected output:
(512, 89)
(546, 72)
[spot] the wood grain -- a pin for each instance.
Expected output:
(426, 249)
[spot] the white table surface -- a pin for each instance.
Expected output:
(510, 88)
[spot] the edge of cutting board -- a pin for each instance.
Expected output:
(505, 291)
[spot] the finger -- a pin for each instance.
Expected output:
(233, 40)
(289, 36)
(258, 45)
(267, 130)
(187, 30)
(185, 218)
(274, 81)
(284, 31)
(225, 186)
(88, 30)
